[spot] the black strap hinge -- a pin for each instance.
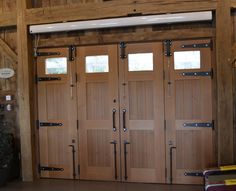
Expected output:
(201, 45)
(46, 124)
(72, 53)
(45, 79)
(47, 168)
(122, 50)
(207, 73)
(46, 54)
(196, 174)
(168, 44)
(199, 125)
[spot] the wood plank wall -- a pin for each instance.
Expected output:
(9, 86)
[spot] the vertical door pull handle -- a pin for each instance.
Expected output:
(73, 158)
(125, 157)
(115, 156)
(124, 120)
(171, 164)
(114, 120)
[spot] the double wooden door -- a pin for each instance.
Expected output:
(121, 113)
(126, 113)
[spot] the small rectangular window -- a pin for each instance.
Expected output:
(97, 64)
(187, 60)
(140, 62)
(56, 66)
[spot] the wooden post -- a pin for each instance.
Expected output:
(24, 92)
(224, 82)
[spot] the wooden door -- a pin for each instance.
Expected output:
(98, 112)
(142, 113)
(188, 102)
(57, 114)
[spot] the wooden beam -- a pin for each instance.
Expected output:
(112, 9)
(8, 19)
(6, 48)
(98, 38)
(224, 82)
(233, 4)
(24, 93)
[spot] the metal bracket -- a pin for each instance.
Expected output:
(200, 125)
(45, 124)
(122, 50)
(210, 73)
(202, 45)
(44, 79)
(71, 53)
(196, 174)
(46, 168)
(168, 44)
(47, 54)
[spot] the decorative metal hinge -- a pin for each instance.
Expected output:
(199, 125)
(196, 174)
(44, 79)
(36, 54)
(201, 45)
(45, 124)
(208, 73)
(72, 53)
(47, 168)
(122, 50)
(168, 44)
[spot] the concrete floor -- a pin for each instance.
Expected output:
(69, 185)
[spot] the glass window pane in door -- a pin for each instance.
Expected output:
(97, 64)
(187, 60)
(140, 62)
(56, 65)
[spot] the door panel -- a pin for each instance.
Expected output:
(188, 99)
(57, 104)
(142, 116)
(98, 112)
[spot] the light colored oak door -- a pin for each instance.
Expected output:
(57, 114)
(142, 113)
(188, 110)
(98, 112)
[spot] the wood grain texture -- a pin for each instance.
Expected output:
(233, 4)
(7, 19)
(141, 36)
(25, 89)
(111, 9)
(224, 82)
(5, 47)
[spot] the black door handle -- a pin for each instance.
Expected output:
(114, 120)
(124, 120)
(73, 158)
(125, 157)
(115, 155)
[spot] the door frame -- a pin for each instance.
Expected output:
(214, 86)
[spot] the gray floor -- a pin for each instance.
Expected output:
(69, 185)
